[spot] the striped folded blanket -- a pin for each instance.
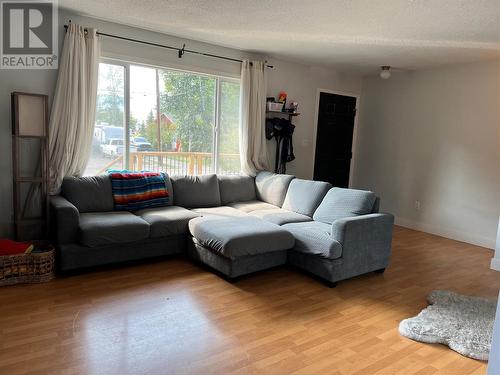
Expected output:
(134, 191)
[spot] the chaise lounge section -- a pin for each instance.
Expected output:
(347, 238)
(234, 224)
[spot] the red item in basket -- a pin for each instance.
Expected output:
(9, 247)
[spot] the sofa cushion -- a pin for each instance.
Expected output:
(196, 191)
(252, 206)
(89, 194)
(222, 211)
(314, 238)
(280, 216)
(105, 228)
(339, 203)
(236, 189)
(234, 237)
(167, 221)
(304, 196)
(272, 187)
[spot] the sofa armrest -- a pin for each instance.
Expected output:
(65, 220)
(365, 239)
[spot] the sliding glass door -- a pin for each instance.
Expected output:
(165, 120)
(188, 102)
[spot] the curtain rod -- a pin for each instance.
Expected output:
(180, 51)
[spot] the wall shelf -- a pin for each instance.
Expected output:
(284, 113)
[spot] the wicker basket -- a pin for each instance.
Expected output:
(28, 268)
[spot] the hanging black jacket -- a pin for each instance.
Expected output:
(282, 130)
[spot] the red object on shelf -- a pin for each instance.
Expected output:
(282, 97)
(9, 247)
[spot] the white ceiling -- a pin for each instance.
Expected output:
(352, 35)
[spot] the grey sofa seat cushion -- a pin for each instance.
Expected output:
(304, 196)
(106, 228)
(272, 187)
(167, 221)
(339, 203)
(196, 191)
(314, 238)
(252, 206)
(89, 194)
(280, 216)
(222, 211)
(235, 237)
(236, 189)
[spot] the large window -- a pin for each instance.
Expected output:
(165, 120)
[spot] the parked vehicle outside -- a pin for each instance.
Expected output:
(105, 132)
(115, 147)
(141, 143)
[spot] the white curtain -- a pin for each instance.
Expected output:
(73, 110)
(253, 149)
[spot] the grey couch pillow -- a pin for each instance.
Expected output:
(236, 189)
(196, 191)
(170, 189)
(89, 194)
(272, 187)
(339, 203)
(304, 196)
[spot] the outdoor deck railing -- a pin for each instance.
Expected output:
(177, 163)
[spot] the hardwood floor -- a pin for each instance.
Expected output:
(174, 317)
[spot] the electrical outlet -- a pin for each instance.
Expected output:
(417, 205)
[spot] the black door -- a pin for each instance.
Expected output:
(334, 139)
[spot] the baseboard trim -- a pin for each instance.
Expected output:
(495, 264)
(489, 243)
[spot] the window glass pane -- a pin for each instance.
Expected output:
(144, 131)
(108, 142)
(187, 116)
(229, 151)
(182, 140)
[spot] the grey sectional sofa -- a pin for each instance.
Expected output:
(234, 224)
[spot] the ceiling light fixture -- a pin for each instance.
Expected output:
(385, 72)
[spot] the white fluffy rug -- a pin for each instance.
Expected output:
(463, 323)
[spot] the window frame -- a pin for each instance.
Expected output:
(219, 78)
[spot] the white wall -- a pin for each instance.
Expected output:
(299, 81)
(34, 81)
(434, 136)
(495, 262)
